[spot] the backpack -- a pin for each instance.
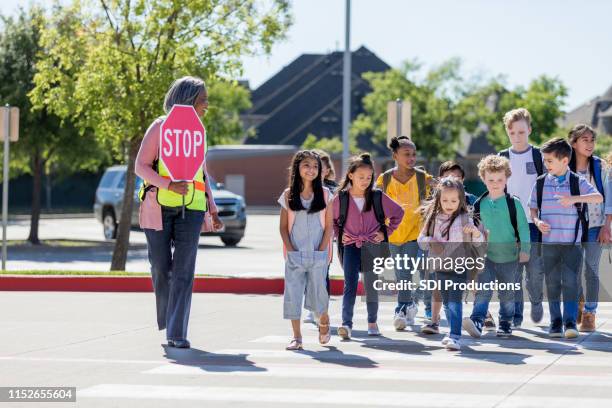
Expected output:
(379, 212)
(595, 170)
(511, 209)
(581, 208)
(535, 154)
(420, 177)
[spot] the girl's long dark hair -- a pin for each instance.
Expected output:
(296, 186)
(363, 160)
(573, 136)
(433, 207)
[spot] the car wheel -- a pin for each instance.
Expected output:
(109, 225)
(231, 241)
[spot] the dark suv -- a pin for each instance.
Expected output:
(109, 197)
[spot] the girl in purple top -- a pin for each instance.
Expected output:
(360, 228)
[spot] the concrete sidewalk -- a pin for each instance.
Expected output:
(107, 345)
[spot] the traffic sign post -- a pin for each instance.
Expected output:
(399, 115)
(9, 132)
(182, 144)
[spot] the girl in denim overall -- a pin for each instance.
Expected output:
(306, 230)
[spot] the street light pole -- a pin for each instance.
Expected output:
(346, 88)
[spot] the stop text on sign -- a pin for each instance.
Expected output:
(182, 142)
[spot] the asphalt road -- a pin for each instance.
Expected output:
(107, 346)
(259, 254)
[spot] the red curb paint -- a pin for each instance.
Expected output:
(60, 283)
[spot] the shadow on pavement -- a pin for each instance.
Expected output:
(211, 362)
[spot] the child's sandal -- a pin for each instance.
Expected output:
(324, 338)
(295, 344)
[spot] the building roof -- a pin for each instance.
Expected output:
(306, 97)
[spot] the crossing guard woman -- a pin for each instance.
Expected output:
(172, 240)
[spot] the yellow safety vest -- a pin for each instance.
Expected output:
(196, 192)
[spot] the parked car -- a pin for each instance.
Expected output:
(109, 197)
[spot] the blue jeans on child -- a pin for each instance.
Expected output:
(351, 263)
(172, 272)
(452, 299)
(405, 297)
(534, 276)
(592, 255)
(561, 266)
(503, 272)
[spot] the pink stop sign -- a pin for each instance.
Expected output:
(182, 143)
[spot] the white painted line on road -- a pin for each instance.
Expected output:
(443, 374)
(319, 396)
(485, 342)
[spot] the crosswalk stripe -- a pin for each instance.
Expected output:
(406, 374)
(320, 396)
(491, 342)
(366, 356)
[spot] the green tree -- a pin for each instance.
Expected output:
(113, 60)
(45, 141)
(486, 104)
(435, 127)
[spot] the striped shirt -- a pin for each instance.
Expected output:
(562, 220)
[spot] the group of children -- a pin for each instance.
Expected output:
(546, 212)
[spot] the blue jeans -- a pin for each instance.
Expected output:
(592, 255)
(534, 276)
(173, 272)
(405, 297)
(452, 299)
(351, 263)
(561, 266)
(503, 272)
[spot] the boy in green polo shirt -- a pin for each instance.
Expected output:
(509, 243)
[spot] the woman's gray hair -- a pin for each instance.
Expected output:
(183, 91)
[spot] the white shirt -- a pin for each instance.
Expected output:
(360, 201)
(524, 175)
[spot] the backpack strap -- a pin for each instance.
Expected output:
(505, 153)
(379, 212)
(539, 193)
(574, 181)
(343, 196)
(595, 169)
(512, 210)
(537, 160)
(387, 179)
(421, 187)
(477, 208)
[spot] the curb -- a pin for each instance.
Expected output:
(202, 284)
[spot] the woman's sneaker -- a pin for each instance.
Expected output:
(431, 328)
(344, 332)
(571, 331)
(453, 345)
(399, 321)
(473, 328)
(556, 329)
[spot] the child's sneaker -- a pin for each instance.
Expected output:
(411, 312)
(504, 329)
(344, 332)
(373, 330)
(431, 328)
(474, 328)
(399, 321)
(571, 331)
(445, 340)
(489, 323)
(516, 322)
(588, 322)
(556, 329)
(453, 345)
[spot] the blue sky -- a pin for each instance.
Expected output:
(522, 39)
